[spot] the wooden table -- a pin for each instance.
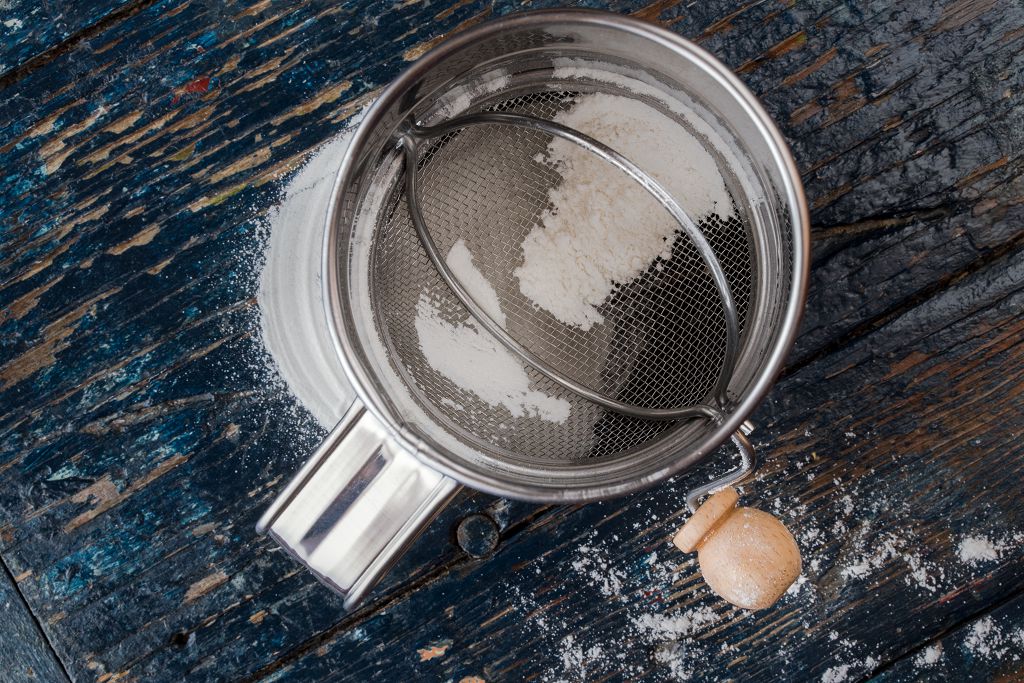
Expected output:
(141, 436)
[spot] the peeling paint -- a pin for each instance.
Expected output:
(52, 342)
(434, 651)
(143, 237)
(105, 495)
(204, 586)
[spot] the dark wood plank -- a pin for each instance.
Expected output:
(24, 653)
(142, 434)
(987, 648)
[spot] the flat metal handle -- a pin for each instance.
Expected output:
(356, 506)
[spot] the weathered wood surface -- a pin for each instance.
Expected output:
(142, 434)
(32, 33)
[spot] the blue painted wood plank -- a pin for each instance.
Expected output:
(29, 29)
(24, 653)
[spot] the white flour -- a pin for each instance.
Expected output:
(836, 674)
(460, 260)
(462, 97)
(930, 656)
(666, 626)
(975, 549)
(292, 316)
(603, 229)
(472, 358)
(593, 564)
(990, 640)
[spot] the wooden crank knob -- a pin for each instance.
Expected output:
(747, 556)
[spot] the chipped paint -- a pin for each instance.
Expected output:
(52, 341)
(123, 123)
(254, 9)
(45, 126)
(105, 495)
(24, 304)
(205, 585)
(204, 529)
(653, 11)
(981, 171)
(197, 86)
(260, 156)
(325, 96)
(216, 199)
(434, 650)
(184, 153)
(103, 153)
(811, 68)
(804, 113)
(962, 12)
(269, 71)
(230, 65)
(55, 151)
(420, 49)
(451, 9)
(142, 238)
(793, 42)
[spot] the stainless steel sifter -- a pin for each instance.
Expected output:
(451, 152)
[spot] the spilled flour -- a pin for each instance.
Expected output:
(988, 639)
(602, 230)
(977, 549)
(471, 357)
(293, 320)
(930, 656)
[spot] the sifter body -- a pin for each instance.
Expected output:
(414, 435)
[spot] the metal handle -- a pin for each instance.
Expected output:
(355, 506)
(748, 463)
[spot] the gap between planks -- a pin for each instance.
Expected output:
(950, 630)
(35, 620)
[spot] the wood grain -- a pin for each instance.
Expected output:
(142, 433)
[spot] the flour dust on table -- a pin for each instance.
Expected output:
(294, 322)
